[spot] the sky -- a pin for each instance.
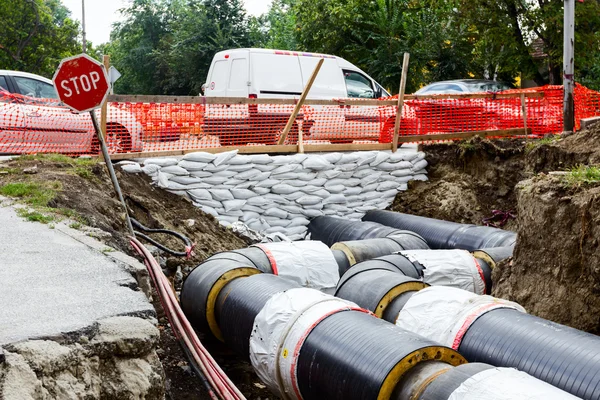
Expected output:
(101, 14)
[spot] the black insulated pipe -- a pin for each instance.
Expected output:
(331, 230)
(494, 255)
(564, 357)
(394, 262)
(341, 260)
(366, 249)
(249, 255)
(240, 301)
(445, 234)
(375, 289)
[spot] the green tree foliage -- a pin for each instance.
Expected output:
(35, 35)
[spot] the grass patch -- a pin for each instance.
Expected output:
(75, 225)
(8, 171)
(85, 173)
(59, 158)
(530, 145)
(33, 193)
(35, 216)
(583, 175)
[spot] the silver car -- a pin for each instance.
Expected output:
(463, 86)
(33, 120)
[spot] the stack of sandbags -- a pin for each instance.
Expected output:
(282, 193)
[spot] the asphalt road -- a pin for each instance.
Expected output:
(52, 284)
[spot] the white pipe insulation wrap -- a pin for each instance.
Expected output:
(455, 268)
(280, 329)
(507, 384)
(444, 314)
(309, 263)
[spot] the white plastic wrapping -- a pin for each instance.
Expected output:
(444, 314)
(280, 329)
(309, 263)
(507, 384)
(455, 268)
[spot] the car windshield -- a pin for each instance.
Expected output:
(486, 86)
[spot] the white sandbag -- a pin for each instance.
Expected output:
(317, 163)
(401, 172)
(285, 168)
(259, 201)
(366, 157)
(296, 237)
(185, 180)
(200, 156)
(277, 198)
(274, 229)
(295, 230)
(359, 174)
(249, 216)
(234, 182)
(309, 200)
(306, 176)
(364, 209)
(201, 174)
(224, 223)
(221, 194)
(322, 193)
(260, 159)
(420, 156)
(163, 162)
(328, 174)
(335, 199)
(330, 212)
(420, 177)
(192, 165)
(233, 205)
(226, 173)
(268, 183)
(403, 155)
(242, 194)
(263, 176)
(388, 194)
(250, 207)
(387, 185)
(240, 167)
(227, 218)
(332, 157)
(208, 210)
(317, 182)
(346, 175)
(381, 157)
(200, 194)
(311, 213)
(223, 158)
(179, 192)
(243, 185)
(285, 176)
(369, 179)
(261, 190)
(174, 170)
(235, 213)
(310, 189)
(293, 196)
(318, 206)
(264, 167)
(352, 182)
(290, 159)
(275, 212)
(421, 164)
(162, 180)
(370, 188)
(336, 189)
(402, 186)
(283, 188)
(347, 167)
(258, 225)
(216, 168)
(354, 216)
(387, 166)
(276, 222)
(188, 186)
(248, 175)
(210, 203)
(401, 179)
(340, 208)
(298, 221)
(151, 169)
(349, 158)
(352, 191)
(134, 168)
(215, 180)
(294, 182)
(292, 209)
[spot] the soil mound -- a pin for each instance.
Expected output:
(467, 181)
(555, 273)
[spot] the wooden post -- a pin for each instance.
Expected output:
(400, 101)
(300, 142)
(290, 122)
(524, 111)
(103, 110)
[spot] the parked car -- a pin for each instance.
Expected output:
(463, 86)
(278, 74)
(33, 119)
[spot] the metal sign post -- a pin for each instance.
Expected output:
(569, 66)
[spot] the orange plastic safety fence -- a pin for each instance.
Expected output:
(32, 125)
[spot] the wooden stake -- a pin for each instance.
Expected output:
(400, 101)
(524, 111)
(103, 110)
(290, 122)
(300, 142)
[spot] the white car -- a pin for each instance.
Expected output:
(33, 120)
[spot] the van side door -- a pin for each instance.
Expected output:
(362, 122)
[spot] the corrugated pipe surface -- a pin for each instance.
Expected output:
(366, 249)
(331, 230)
(445, 234)
(499, 332)
(305, 344)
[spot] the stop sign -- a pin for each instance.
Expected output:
(81, 83)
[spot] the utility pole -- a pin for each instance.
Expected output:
(569, 66)
(83, 45)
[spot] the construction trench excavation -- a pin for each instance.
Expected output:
(462, 270)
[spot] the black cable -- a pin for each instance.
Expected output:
(188, 243)
(196, 369)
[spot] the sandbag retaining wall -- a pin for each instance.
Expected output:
(282, 193)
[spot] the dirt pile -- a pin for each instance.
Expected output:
(555, 272)
(467, 180)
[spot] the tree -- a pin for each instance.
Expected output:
(36, 35)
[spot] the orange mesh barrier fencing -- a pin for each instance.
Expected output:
(161, 124)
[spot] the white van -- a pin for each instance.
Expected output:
(264, 73)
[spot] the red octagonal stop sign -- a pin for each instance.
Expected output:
(81, 83)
